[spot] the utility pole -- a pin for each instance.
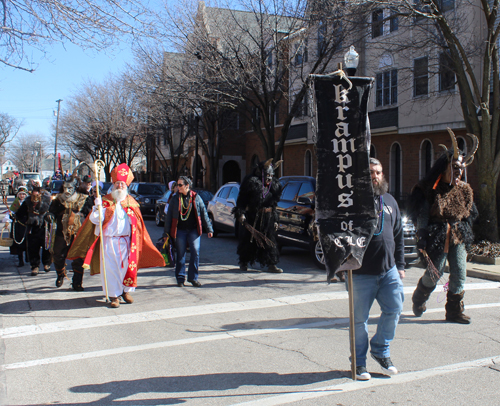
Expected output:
(57, 129)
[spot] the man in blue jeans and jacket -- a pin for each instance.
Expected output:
(380, 277)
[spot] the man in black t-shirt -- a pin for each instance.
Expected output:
(380, 277)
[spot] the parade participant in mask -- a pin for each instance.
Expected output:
(127, 245)
(443, 210)
(69, 210)
(18, 231)
(32, 213)
(256, 210)
(183, 222)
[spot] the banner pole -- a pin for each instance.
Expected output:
(352, 335)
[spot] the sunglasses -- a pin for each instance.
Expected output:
(181, 184)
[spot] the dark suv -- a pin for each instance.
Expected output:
(296, 216)
(146, 195)
(296, 212)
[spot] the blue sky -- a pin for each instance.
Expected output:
(32, 96)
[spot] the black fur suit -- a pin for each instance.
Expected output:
(32, 214)
(256, 204)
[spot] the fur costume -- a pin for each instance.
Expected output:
(256, 205)
(32, 213)
(69, 209)
(445, 205)
(444, 212)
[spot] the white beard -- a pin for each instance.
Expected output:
(119, 194)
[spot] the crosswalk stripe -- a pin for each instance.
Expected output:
(215, 308)
(352, 386)
(202, 339)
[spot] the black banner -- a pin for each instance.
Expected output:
(345, 208)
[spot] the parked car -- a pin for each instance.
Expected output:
(205, 195)
(55, 187)
(296, 210)
(219, 209)
(146, 195)
(27, 179)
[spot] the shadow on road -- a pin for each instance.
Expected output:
(117, 390)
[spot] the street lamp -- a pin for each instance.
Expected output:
(57, 129)
(351, 61)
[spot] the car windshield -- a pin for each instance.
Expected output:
(157, 190)
(31, 176)
(56, 185)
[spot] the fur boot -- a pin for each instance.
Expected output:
(455, 308)
(77, 281)
(61, 274)
(420, 296)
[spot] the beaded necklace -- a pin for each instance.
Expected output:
(381, 214)
(187, 212)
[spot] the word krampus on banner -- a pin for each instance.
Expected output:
(345, 208)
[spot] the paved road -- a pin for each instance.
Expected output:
(252, 339)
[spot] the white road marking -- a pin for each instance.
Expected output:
(362, 385)
(212, 337)
(216, 308)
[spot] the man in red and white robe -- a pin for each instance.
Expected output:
(127, 244)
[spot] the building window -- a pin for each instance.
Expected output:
(377, 23)
(396, 171)
(303, 109)
(255, 161)
(255, 115)
(446, 74)
(373, 151)
(276, 113)
(308, 163)
(420, 76)
(425, 158)
(300, 53)
(394, 22)
(386, 88)
(446, 5)
(321, 39)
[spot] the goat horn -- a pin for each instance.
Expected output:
(470, 156)
(456, 151)
(443, 146)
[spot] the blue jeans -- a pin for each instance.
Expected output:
(182, 239)
(457, 257)
(388, 290)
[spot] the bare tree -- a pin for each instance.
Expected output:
(464, 34)
(35, 25)
(240, 59)
(105, 122)
(26, 153)
(169, 114)
(9, 127)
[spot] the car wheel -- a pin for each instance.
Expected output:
(215, 233)
(158, 221)
(317, 254)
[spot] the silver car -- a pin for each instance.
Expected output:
(220, 207)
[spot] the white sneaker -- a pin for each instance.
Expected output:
(386, 365)
(362, 374)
